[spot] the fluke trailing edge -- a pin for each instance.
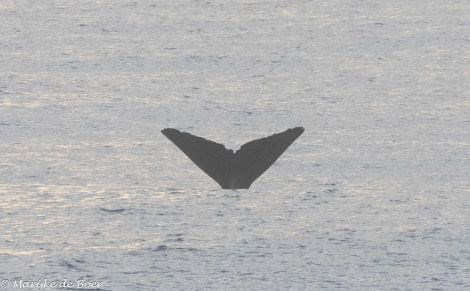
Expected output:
(233, 170)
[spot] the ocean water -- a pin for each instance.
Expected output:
(373, 196)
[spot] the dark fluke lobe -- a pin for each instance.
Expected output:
(233, 170)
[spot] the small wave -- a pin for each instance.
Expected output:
(119, 210)
(160, 248)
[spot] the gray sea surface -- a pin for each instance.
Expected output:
(375, 195)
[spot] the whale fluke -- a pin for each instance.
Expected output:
(233, 170)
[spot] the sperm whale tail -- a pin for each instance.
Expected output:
(233, 170)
